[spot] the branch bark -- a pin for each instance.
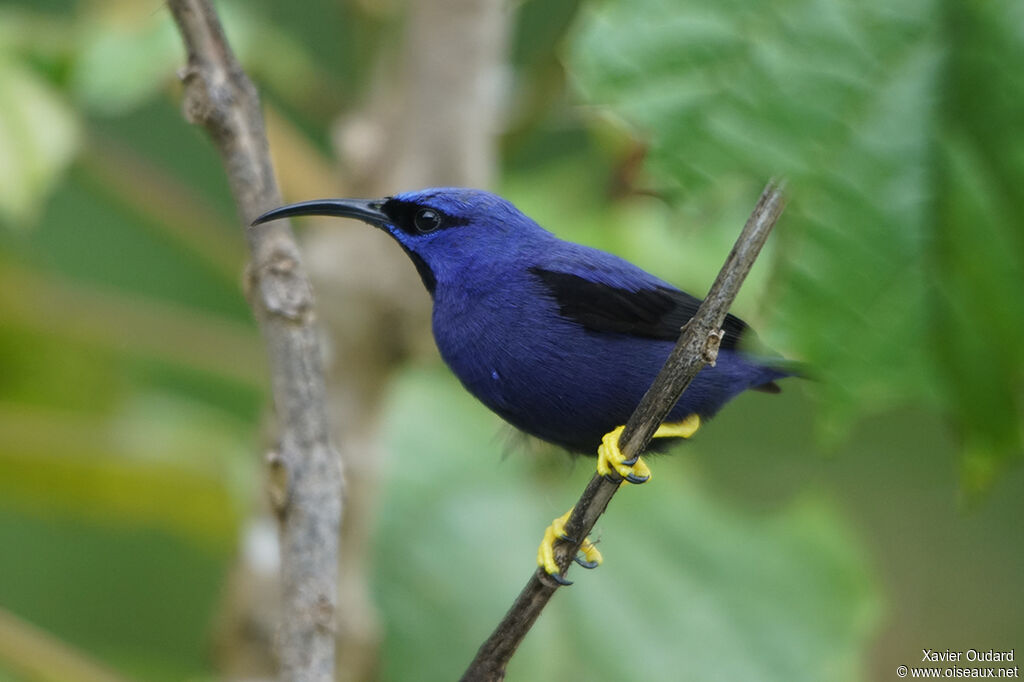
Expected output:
(697, 346)
(306, 474)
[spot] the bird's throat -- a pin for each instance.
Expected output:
(426, 274)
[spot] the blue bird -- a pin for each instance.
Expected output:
(559, 339)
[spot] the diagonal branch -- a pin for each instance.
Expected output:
(697, 346)
(306, 473)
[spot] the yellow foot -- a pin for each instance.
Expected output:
(589, 557)
(613, 465)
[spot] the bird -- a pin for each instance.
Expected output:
(561, 340)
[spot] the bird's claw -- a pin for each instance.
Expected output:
(614, 466)
(560, 579)
(589, 556)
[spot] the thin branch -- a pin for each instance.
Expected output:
(697, 346)
(306, 474)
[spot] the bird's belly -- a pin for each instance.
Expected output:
(559, 383)
(568, 385)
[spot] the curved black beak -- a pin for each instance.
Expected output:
(367, 210)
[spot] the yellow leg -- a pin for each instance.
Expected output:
(612, 464)
(591, 557)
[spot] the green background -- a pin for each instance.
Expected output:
(829, 533)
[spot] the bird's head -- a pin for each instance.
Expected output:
(443, 230)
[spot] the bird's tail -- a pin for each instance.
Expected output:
(781, 368)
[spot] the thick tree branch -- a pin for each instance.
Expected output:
(697, 346)
(305, 468)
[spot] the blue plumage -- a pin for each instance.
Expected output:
(561, 340)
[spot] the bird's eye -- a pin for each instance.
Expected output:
(426, 220)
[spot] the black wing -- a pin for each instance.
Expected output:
(658, 312)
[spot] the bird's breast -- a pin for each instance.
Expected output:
(484, 340)
(542, 373)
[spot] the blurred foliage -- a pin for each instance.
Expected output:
(131, 376)
(133, 383)
(678, 583)
(901, 128)
(38, 137)
(136, 598)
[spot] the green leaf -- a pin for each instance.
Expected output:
(901, 129)
(39, 135)
(125, 58)
(979, 240)
(128, 54)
